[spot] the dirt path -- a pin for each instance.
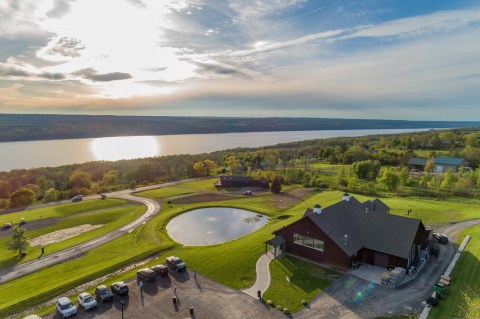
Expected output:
(352, 297)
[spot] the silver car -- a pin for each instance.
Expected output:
(87, 301)
(65, 307)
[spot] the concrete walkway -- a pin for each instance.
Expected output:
(263, 276)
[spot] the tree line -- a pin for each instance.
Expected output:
(372, 159)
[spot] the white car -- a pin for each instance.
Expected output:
(65, 307)
(87, 301)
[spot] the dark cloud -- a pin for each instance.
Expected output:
(67, 47)
(10, 71)
(51, 76)
(60, 9)
(217, 69)
(93, 75)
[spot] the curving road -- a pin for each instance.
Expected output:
(153, 208)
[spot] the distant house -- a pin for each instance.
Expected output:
(442, 164)
(349, 232)
(241, 181)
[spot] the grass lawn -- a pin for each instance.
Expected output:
(60, 210)
(294, 280)
(232, 263)
(111, 219)
(465, 278)
(180, 189)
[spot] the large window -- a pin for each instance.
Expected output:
(309, 242)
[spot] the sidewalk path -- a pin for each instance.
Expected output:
(263, 276)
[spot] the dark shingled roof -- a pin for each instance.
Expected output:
(373, 229)
(276, 241)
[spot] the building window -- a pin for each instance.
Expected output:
(316, 244)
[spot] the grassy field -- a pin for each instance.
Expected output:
(232, 263)
(294, 280)
(60, 210)
(111, 219)
(465, 278)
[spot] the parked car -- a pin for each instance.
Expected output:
(86, 301)
(33, 317)
(103, 293)
(120, 288)
(440, 238)
(146, 274)
(65, 307)
(77, 198)
(176, 263)
(247, 193)
(23, 221)
(7, 226)
(161, 270)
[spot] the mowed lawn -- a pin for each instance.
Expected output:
(465, 278)
(294, 280)
(232, 263)
(108, 220)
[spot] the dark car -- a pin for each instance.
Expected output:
(146, 274)
(440, 238)
(120, 288)
(77, 198)
(161, 270)
(103, 293)
(176, 263)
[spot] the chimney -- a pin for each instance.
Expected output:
(346, 197)
(317, 209)
(346, 238)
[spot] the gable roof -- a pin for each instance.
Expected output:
(439, 160)
(365, 227)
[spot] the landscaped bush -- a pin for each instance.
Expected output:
(280, 308)
(269, 302)
(286, 311)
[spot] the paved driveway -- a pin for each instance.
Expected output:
(210, 300)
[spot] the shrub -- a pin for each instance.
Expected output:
(280, 308)
(269, 302)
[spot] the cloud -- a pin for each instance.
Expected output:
(12, 71)
(60, 9)
(67, 47)
(52, 76)
(93, 75)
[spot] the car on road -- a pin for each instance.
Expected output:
(440, 238)
(23, 221)
(247, 193)
(77, 198)
(65, 307)
(176, 263)
(103, 293)
(87, 301)
(146, 274)
(161, 269)
(120, 288)
(33, 317)
(7, 226)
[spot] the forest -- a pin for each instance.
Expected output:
(24, 127)
(373, 165)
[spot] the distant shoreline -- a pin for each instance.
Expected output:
(36, 127)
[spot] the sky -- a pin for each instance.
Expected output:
(385, 59)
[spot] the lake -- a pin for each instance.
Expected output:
(213, 225)
(30, 154)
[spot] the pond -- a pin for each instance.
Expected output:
(213, 225)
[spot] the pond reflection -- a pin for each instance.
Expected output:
(213, 225)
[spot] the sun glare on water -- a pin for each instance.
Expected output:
(128, 147)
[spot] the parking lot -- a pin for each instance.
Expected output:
(208, 299)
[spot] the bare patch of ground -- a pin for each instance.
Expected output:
(291, 197)
(62, 234)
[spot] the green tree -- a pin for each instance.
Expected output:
(110, 178)
(276, 186)
(340, 179)
(80, 179)
(404, 176)
(232, 163)
(390, 179)
(19, 241)
(430, 165)
(51, 195)
(144, 173)
(366, 169)
(448, 180)
(22, 197)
